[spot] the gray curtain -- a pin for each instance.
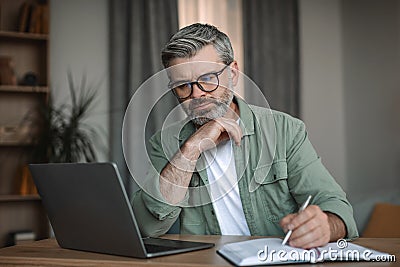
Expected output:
(271, 51)
(138, 31)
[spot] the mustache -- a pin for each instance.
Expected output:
(201, 101)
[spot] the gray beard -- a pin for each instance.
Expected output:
(217, 110)
(202, 118)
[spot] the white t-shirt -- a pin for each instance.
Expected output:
(224, 189)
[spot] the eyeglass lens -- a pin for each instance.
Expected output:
(206, 82)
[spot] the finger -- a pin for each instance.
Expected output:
(285, 221)
(305, 228)
(314, 238)
(223, 137)
(304, 216)
(322, 241)
(235, 131)
(213, 130)
(315, 228)
(232, 128)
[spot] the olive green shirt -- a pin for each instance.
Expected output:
(277, 168)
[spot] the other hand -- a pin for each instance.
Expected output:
(311, 228)
(214, 132)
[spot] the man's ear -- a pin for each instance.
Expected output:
(234, 69)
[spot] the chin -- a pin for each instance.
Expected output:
(200, 121)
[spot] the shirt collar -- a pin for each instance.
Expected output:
(246, 117)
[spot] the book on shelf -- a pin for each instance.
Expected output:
(270, 251)
(34, 18)
(45, 19)
(24, 14)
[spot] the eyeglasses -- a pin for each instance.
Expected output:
(208, 82)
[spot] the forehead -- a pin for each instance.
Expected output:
(207, 53)
(206, 60)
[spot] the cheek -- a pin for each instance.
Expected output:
(223, 94)
(224, 84)
(185, 104)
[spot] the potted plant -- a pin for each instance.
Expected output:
(59, 133)
(63, 134)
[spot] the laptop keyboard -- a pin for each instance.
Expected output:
(150, 248)
(160, 245)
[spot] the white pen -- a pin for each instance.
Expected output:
(303, 207)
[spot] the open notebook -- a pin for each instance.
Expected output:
(269, 251)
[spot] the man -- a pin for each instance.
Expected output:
(261, 199)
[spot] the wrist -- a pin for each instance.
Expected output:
(190, 150)
(336, 226)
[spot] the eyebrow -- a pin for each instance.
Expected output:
(180, 82)
(188, 81)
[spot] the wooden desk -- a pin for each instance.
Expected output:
(48, 253)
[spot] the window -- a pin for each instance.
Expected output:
(226, 15)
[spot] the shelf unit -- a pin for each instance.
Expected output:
(24, 35)
(29, 53)
(24, 89)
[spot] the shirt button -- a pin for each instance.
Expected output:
(212, 212)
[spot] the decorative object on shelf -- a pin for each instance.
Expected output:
(26, 185)
(7, 72)
(21, 237)
(20, 134)
(65, 137)
(30, 79)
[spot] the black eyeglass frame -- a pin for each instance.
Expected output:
(217, 74)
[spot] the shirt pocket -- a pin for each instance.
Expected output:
(268, 174)
(192, 221)
(273, 190)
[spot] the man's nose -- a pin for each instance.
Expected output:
(196, 91)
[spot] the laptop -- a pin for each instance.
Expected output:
(89, 210)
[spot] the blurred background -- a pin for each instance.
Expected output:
(347, 58)
(335, 64)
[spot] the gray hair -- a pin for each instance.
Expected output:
(190, 39)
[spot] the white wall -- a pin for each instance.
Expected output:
(372, 85)
(350, 60)
(79, 42)
(226, 15)
(322, 101)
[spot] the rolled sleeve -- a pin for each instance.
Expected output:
(344, 211)
(153, 218)
(153, 214)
